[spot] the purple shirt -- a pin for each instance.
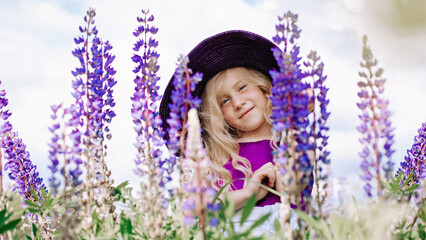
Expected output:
(258, 153)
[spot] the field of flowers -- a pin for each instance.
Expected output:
(80, 199)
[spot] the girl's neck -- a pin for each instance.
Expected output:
(254, 138)
(264, 133)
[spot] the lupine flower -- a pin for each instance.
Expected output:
(64, 147)
(376, 128)
(149, 160)
(94, 100)
(55, 149)
(86, 121)
(290, 111)
(415, 160)
(21, 169)
(182, 101)
(318, 127)
(198, 191)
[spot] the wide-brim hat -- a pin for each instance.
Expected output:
(225, 50)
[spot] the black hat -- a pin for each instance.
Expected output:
(225, 50)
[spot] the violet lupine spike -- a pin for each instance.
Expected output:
(376, 128)
(196, 160)
(318, 126)
(415, 160)
(182, 101)
(149, 160)
(290, 112)
(21, 169)
(94, 100)
(65, 147)
(145, 99)
(55, 149)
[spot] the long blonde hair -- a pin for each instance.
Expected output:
(220, 139)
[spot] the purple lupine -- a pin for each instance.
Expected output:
(290, 109)
(318, 126)
(150, 160)
(55, 149)
(145, 100)
(376, 128)
(182, 101)
(92, 111)
(64, 147)
(415, 160)
(195, 159)
(21, 169)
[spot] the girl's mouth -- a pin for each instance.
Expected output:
(246, 112)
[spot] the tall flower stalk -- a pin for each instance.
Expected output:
(319, 128)
(290, 112)
(375, 128)
(182, 101)
(18, 162)
(149, 161)
(415, 160)
(21, 170)
(198, 191)
(91, 114)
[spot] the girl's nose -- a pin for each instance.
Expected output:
(238, 103)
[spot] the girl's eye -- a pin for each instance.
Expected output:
(242, 87)
(224, 101)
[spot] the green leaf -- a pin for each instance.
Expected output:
(34, 229)
(248, 208)
(317, 224)
(125, 227)
(277, 225)
(413, 187)
(259, 222)
(32, 204)
(122, 185)
(399, 177)
(2, 216)
(405, 183)
(35, 195)
(9, 226)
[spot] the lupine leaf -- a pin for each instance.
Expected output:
(125, 227)
(315, 223)
(407, 181)
(32, 204)
(413, 187)
(34, 228)
(259, 222)
(9, 226)
(2, 216)
(248, 208)
(35, 195)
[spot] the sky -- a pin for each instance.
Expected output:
(36, 40)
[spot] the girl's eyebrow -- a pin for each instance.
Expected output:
(237, 83)
(220, 93)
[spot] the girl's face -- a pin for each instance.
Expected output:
(243, 106)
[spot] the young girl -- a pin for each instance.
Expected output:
(234, 115)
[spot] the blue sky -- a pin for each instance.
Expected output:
(36, 40)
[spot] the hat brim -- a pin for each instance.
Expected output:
(222, 51)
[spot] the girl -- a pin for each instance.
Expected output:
(234, 115)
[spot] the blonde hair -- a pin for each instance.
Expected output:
(220, 139)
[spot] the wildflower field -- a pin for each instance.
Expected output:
(78, 197)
